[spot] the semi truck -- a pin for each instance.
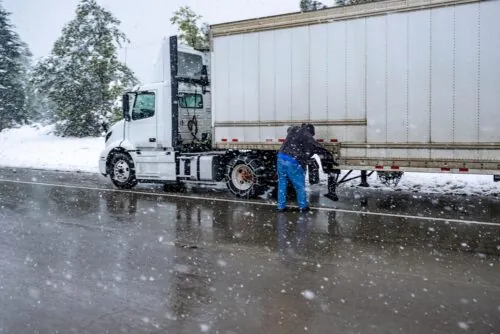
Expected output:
(392, 86)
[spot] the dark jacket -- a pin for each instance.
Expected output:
(301, 145)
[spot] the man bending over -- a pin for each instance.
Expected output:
(293, 157)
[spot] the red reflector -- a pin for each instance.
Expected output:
(464, 169)
(234, 140)
(334, 140)
(394, 167)
(281, 140)
(379, 167)
(320, 140)
(445, 169)
(224, 139)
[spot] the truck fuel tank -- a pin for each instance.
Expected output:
(200, 168)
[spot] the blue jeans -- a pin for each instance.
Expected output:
(290, 169)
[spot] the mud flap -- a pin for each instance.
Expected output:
(333, 177)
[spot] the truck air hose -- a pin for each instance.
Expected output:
(193, 127)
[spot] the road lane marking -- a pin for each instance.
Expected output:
(227, 200)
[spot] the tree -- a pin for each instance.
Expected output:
(37, 107)
(83, 76)
(12, 95)
(310, 5)
(352, 2)
(190, 30)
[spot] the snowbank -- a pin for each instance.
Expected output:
(432, 183)
(37, 147)
(440, 183)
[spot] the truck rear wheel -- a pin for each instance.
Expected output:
(246, 176)
(122, 171)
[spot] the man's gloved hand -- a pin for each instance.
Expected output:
(328, 163)
(329, 167)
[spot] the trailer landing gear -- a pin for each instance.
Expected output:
(332, 185)
(334, 182)
(364, 179)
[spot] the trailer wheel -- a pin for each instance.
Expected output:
(390, 179)
(246, 176)
(122, 171)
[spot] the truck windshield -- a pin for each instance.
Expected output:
(190, 65)
(188, 100)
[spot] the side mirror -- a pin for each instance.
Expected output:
(126, 107)
(204, 76)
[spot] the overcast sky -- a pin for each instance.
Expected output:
(146, 22)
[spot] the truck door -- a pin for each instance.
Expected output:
(152, 162)
(142, 126)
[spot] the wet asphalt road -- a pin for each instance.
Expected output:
(78, 257)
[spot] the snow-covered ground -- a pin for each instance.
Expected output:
(440, 183)
(37, 147)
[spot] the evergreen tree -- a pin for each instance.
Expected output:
(83, 76)
(352, 2)
(37, 107)
(190, 32)
(309, 5)
(12, 95)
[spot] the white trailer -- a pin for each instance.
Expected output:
(391, 86)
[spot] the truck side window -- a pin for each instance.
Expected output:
(190, 65)
(191, 101)
(144, 106)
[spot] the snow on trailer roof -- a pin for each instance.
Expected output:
(337, 13)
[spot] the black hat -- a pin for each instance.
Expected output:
(310, 128)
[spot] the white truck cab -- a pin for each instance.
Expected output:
(160, 120)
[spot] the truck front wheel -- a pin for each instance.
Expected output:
(245, 176)
(122, 171)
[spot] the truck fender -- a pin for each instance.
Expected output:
(127, 145)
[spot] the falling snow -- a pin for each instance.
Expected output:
(308, 294)
(34, 293)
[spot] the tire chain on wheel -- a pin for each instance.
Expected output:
(258, 169)
(132, 181)
(390, 179)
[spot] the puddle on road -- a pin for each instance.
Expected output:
(257, 225)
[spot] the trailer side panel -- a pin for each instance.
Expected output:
(412, 86)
